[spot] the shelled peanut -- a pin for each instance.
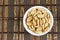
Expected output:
(38, 20)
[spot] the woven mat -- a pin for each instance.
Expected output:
(11, 16)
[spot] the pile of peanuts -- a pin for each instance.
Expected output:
(38, 20)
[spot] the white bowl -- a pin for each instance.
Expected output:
(25, 16)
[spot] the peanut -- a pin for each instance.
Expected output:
(38, 20)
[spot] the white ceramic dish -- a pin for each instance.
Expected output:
(25, 16)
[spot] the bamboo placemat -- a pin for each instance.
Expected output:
(11, 17)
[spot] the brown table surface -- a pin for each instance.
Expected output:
(11, 16)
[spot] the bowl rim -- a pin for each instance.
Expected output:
(25, 16)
